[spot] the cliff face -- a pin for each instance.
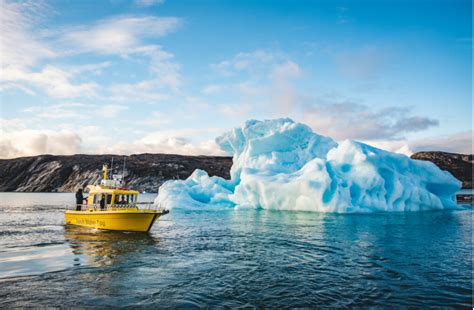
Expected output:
(144, 172)
(460, 165)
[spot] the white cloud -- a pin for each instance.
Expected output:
(266, 81)
(460, 142)
(285, 71)
(156, 119)
(212, 89)
(362, 63)
(58, 111)
(176, 145)
(283, 92)
(20, 47)
(145, 3)
(24, 50)
(348, 120)
(14, 124)
(180, 141)
(111, 110)
(74, 110)
(248, 61)
(397, 146)
(16, 86)
(54, 81)
(118, 35)
(235, 110)
(35, 142)
(143, 91)
(17, 141)
(165, 74)
(260, 78)
(95, 68)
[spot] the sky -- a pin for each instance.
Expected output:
(156, 76)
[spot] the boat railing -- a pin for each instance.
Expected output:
(137, 205)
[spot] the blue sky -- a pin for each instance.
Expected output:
(169, 76)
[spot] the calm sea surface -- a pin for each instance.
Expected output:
(234, 258)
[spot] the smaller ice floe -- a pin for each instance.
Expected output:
(280, 164)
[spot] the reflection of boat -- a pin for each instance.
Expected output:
(112, 207)
(105, 247)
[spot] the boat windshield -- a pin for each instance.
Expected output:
(124, 199)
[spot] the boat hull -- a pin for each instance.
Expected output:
(140, 221)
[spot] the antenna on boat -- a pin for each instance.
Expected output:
(123, 169)
(111, 168)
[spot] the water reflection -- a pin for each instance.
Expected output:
(105, 248)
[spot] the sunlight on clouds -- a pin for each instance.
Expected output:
(17, 141)
(165, 141)
(459, 142)
(349, 120)
(30, 142)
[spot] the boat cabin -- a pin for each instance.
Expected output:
(114, 197)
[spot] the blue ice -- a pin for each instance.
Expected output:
(284, 165)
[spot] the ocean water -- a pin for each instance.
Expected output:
(234, 258)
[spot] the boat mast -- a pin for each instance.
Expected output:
(105, 170)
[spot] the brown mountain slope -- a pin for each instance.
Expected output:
(145, 172)
(460, 165)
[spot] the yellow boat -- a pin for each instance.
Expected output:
(118, 210)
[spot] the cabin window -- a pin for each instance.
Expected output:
(95, 199)
(109, 199)
(120, 199)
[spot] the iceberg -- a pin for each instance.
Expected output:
(281, 164)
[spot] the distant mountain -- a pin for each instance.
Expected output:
(145, 172)
(460, 165)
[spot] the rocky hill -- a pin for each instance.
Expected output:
(460, 165)
(145, 172)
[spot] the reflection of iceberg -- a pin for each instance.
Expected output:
(280, 164)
